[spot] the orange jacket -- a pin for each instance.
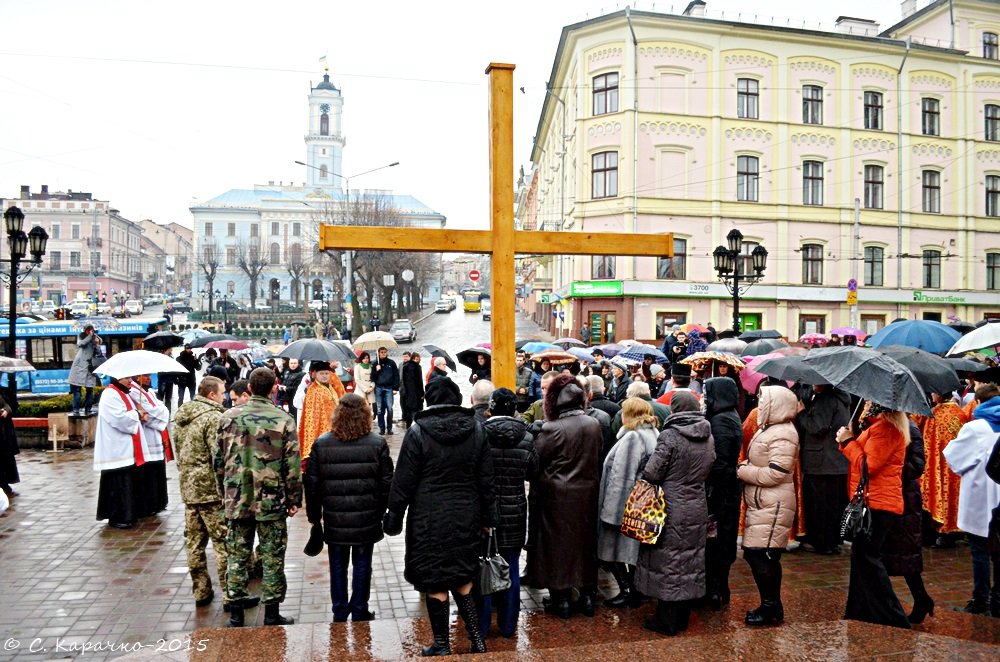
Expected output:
(885, 450)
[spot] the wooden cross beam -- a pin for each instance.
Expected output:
(502, 241)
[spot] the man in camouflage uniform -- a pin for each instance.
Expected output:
(196, 429)
(259, 473)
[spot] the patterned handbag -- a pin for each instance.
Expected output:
(645, 513)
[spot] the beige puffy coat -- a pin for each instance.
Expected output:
(767, 475)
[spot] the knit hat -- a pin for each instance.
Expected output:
(503, 402)
(442, 391)
(680, 370)
(655, 369)
(316, 366)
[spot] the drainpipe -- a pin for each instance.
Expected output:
(635, 122)
(899, 177)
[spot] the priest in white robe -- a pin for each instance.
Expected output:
(119, 452)
(156, 447)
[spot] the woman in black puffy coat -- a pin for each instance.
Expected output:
(347, 481)
(514, 462)
(444, 477)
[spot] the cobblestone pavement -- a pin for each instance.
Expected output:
(69, 580)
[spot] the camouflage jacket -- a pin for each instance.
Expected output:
(257, 463)
(196, 438)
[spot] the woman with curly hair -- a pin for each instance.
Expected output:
(347, 480)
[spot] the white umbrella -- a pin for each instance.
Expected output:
(137, 362)
(371, 341)
(986, 336)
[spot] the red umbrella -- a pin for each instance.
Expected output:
(231, 345)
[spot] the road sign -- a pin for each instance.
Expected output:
(474, 275)
(852, 285)
(852, 298)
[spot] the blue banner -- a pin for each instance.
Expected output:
(23, 380)
(46, 381)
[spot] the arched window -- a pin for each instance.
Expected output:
(275, 254)
(322, 172)
(295, 254)
(324, 125)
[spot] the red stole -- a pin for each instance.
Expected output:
(168, 453)
(137, 436)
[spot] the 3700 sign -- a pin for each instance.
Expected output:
(697, 288)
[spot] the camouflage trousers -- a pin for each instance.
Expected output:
(204, 522)
(273, 542)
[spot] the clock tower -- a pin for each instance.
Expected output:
(324, 142)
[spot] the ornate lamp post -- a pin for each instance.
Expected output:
(224, 298)
(19, 243)
(730, 266)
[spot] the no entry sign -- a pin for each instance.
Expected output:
(474, 275)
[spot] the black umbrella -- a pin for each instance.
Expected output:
(966, 365)
(437, 352)
(759, 334)
(162, 340)
(521, 343)
(935, 374)
(789, 369)
(962, 327)
(212, 337)
(870, 375)
(315, 349)
(763, 346)
(469, 357)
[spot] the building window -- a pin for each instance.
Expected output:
(56, 231)
(605, 175)
(602, 266)
(992, 129)
(874, 179)
(931, 116)
(812, 183)
(665, 322)
(993, 271)
(254, 230)
(74, 260)
(323, 172)
(275, 254)
(674, 268)
(993, 195)
(55, 260)
(324, 125)
(932, 191)
(231, 230)
(932, 269)
(990, 50)
(812, 264)
(231, 256)
(75, 231)
(873, 110)
(208, 229)
(746, 258)
(812, 324)
(274, 229)
(296, 229)
(812, 104)
(295, 254)
(873, 266)
(747, 97)
(605, 94)
(747, 176)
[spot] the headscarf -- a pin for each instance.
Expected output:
(684, 401)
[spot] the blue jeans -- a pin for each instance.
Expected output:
(186, 386)
(508, 602)
(383, 403)
(981, 560)
(360, 556)
(88, 402)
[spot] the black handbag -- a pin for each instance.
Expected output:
(494, 572)
(856, 522)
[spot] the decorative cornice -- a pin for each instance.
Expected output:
(991, 155)
(675, 52)
(818, 66)
(930, 149)
(676, 128)
(870, 144)
(874, 71)
(748, 59)
(932, 79)
(820, 139)
(749, 133)
(604, 54)
(605, 128)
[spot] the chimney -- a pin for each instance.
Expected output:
(908, 7)
(25, 192)
(45, 189)
(695, 8)
(859, 27)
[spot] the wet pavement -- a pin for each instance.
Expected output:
(71, 587)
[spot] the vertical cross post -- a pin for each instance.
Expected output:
(502, 221)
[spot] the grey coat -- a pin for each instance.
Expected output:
(79, 372)
(621, 468)
(674, 568)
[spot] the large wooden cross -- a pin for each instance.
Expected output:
(501, 241)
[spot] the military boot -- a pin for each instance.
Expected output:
(271, 615)
(236, 615)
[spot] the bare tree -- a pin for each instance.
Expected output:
(297, 268)
(209, 263)
(252, 262)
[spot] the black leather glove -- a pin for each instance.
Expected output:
(392, 523)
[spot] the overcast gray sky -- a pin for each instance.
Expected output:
(155, 105)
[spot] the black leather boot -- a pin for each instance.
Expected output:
(559, 604)
(236, 615)
(437, 614)
(994, 603)
(470, 615)
(768, 613)
(665, 621)
(272, 617)
(627, 597)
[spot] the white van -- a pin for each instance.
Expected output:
(487, 307)
(134, 307)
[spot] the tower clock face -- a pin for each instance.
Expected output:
(325, 108)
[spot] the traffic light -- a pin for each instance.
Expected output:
(60, 313)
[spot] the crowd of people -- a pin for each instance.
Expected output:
(545, 469)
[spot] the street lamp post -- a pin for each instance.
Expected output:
(729, 265)
(19, 244)
(219, 296)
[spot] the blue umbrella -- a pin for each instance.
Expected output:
(933, 337)
(610, 349)
(535, 347)
(582, 354)
(637, 353)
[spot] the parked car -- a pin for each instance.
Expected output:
(487, 309)
(230, 306)
(120, 312)
(442, 306)
(182, 306)
(48, 308)
(402, 330)
(104, 309)
(134, 307)
(80, 309)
